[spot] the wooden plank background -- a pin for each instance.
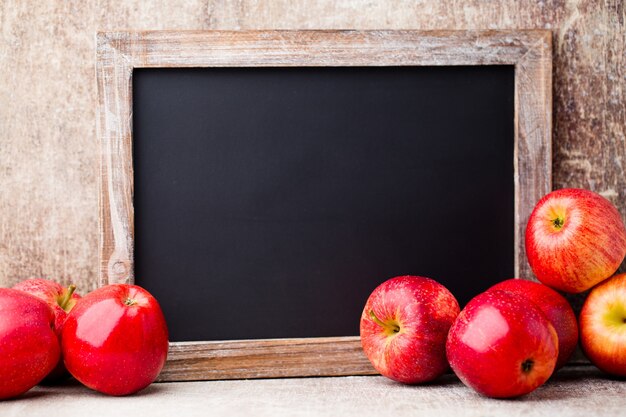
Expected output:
(48, 147)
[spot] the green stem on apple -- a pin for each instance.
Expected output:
(130, 301)
(67, 297)
(394, 328)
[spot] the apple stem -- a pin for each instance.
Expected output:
(391, 327)
(130, 301)
(68, 296)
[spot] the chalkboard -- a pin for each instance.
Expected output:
(262, 183)
(270, 202)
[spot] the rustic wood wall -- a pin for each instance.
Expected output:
(48, 149)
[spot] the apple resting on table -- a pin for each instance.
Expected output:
(555, 307)
(115, 339)
(404, 327)
(61, 300)
(574, 239)
(501, 345)
(29, 348)
(603, 325)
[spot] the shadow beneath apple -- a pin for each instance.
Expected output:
(543, 394)
(56, 382)
(570, 373)
(445, 380)
(615, 378)
(28, 395)
(565, 384)
(152, 389)
(593, 373)
(75, 388)
(45, 392)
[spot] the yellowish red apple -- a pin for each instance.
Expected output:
(603, 325)
(575, 239)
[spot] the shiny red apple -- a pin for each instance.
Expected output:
(61, 300)
(574, 239)
(501, 345)
(603, 325)
(555, 307)
(115, 339)
(404, 326)
(29, 348)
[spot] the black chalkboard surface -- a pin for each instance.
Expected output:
(270, 202)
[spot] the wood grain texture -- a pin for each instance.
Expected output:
(118, 53)
(114, 81)
(189, 361)
(49, 153)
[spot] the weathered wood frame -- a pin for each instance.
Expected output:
(119, 53)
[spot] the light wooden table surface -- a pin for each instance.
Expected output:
(575, 391)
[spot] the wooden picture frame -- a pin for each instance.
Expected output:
(119, 53)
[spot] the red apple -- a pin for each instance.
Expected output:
(115, 339)
(574, 239)
(29, 348)
(501, 345)
(404, 327)
(554, 306)
(603, 325)
(61, 300)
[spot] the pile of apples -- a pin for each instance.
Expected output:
(113, 340)
(510, 339)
